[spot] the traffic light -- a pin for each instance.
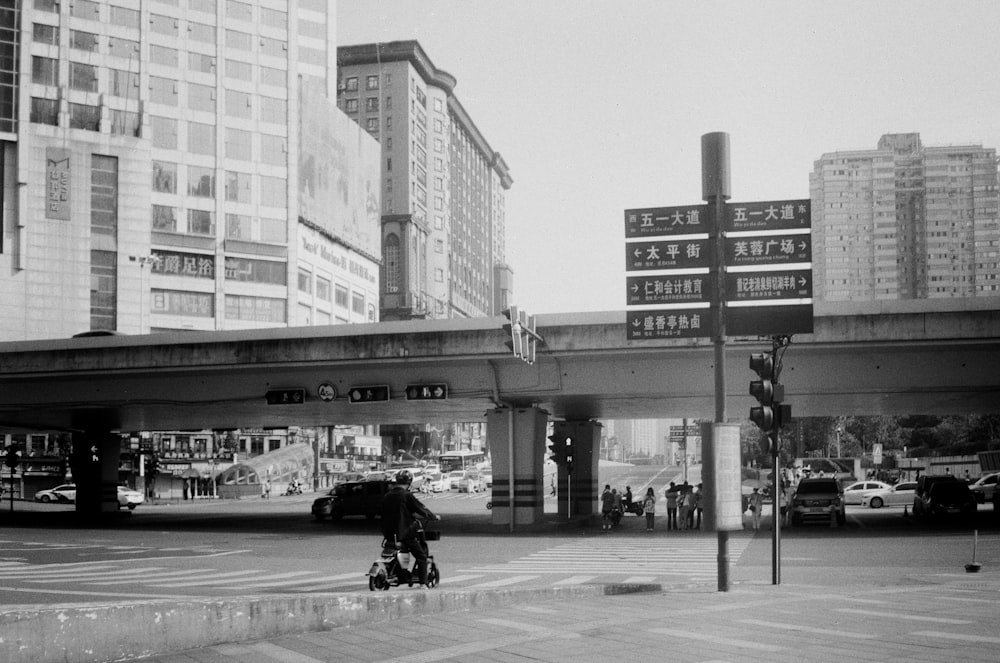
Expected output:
(561, 451)
(513, 329)
(153, 465)
(13, 457)
(766, 390)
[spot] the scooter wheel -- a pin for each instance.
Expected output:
(377, 582)
(433, 575)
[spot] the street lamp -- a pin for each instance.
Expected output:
(143, 261)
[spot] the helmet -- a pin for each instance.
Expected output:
(404, 478)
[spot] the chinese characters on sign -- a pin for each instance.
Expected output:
(768, 250)
(674, 254)
(668, 323)
(789, 284)
(669, 289)
(768, 215)
(57, 183)
(656, 221)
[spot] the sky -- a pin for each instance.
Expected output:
(598, 106)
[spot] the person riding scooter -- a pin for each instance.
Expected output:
(399, 508)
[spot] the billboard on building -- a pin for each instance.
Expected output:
(339, 174)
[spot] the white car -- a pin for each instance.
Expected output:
(985, 487)
(899, 495)
(454, 477)
(128, 497)
(854, 492)
(64, 493)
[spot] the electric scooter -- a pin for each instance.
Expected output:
(396, 567)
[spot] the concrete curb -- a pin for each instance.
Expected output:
(88, 633)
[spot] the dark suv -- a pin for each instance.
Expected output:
(352, 498)
(924, 484)
(819, 498)
(944, 497)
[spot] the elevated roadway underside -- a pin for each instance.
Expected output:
(854, 363)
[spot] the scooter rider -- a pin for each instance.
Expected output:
(399, 506)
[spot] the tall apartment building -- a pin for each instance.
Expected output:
(443, 186)
(180, 164)
(905, 221)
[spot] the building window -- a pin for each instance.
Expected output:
(241, 11)
(128, 18)
(201, 32)
(273, 191)
(123, 48)
(45, 34)
(239, 40)
(239, 144)
(237, 187)
(238, 104)
(45, 111)
(272, 110)
(201, 182)
(201, 97)
(275, 48)
(392, 267)
(239, 70)
(103, 289)
(123, 83)
(201, 222)
(200, 62)
(83, 41)
(179, 302)
(163, 55)
(358, 303)
(163, 90)
(249, 270)
(305, 281)
(350, 105)
(85, 9)
(164, 25)
(340, 296)
(103, 195)
(164, 177)
(201, 138)
(272, 76)
(352, 84)
(323, 289)
(47, 5)
(274, 231)
(272, 150)
(371, 83)
(86, 117)
(371, 124)
(125, 123)
(239, 226)
(164, 132)
(371, 104)
(164, 218)
(44, 71)
(255, 309)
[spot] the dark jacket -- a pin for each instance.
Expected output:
(398, 507)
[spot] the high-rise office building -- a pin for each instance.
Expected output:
(905, 221)
(443, 186)
(180, 164)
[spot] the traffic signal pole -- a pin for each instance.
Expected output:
(715, 190)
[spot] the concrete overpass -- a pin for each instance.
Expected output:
(859, 360)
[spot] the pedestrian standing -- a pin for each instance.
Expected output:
(553, 484)
(684, 506)
(671, 495)
(607, 501)
(698, 499)
(756, 505)
(616, 507)
(649, 508)
(628, 498)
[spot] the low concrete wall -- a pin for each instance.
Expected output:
(90, 633)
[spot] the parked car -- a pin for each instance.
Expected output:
(924, 484)
(66, 493)
(472, 482)
(454, 477)
(899, 495)
(353, 498)
(985, 487)
(944, 497)
(854, 492)
(819, 498)
(129, 498)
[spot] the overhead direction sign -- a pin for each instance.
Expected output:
(668, 323)
(285, 396)
(778, 249)
(669, 289)
(368, 394)
(667, 254)
(770, 285)
(658, 221)
(768, 215)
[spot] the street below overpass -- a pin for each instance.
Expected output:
(255, 546)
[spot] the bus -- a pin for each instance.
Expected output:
(461, 460)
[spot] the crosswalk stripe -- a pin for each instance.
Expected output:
(161, 575)
(574, 580)
(216, 579)
(85, 577)
(503, 582)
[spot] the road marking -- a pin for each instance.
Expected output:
(574, 580)
(462, 578)
(639, 579)
(220, 577)
(67, 592)
(83, 578)
(705, 637)
(503, 581)
(895, 615)
(160, 575)
(958, 636)
(806, 629)
(520, 626)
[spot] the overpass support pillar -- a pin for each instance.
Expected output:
(517, 449)
(95, 463)
(578, 489)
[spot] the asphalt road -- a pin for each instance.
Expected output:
(213, 548)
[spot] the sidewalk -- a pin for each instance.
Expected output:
(949, 618)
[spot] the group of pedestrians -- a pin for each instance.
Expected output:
(684, 507)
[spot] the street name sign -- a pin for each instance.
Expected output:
(667, 254)
(659, 221)
(670, 289)
(759, 286)
(668, 323)
(780, 249)
(768, 215)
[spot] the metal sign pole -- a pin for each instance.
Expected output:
(715, 190)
